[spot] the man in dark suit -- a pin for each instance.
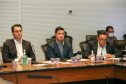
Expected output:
(59, 48)
(110, 33)
(13, 48)
(102, 47)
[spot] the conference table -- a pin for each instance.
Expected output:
(64, 71)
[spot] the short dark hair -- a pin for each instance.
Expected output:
(102, 33)
(108, 27)
(58, 28)
(16, 25)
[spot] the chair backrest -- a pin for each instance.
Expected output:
(67, 39)
(49, 40)
(91, 37)
(101, 31)
(124, 36)
(83, 46)
(44, 48)
(120, 44)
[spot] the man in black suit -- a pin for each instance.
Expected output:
(102, 47)
(59, 48)
(13, 48)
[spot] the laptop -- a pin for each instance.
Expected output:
(120, 44)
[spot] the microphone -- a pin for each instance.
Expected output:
(39, 76)
(79, 52)
(35, 55)
(4, 66)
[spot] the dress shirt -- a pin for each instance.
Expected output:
(60, 46)
(19, 49)
(101, 51)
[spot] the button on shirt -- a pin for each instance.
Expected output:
(19, 49)
(101, 51)
(60, 46)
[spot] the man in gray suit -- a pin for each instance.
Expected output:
(102, 47)
(13, 48)
(59, 48)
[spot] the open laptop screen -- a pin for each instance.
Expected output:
(120, 44)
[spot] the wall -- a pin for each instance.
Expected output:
(39, 19)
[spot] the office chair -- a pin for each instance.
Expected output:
(91, 37)
(124, 36)
(44, 48)
(101, 31)
(83, 46)
(66, 38)
(49, 40)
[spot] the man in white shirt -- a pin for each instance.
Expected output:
(13, 48)
(102, 47)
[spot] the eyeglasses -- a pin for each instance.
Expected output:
(103, 40)
(111, 31)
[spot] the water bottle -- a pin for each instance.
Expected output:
(24, 59)
(93, 56)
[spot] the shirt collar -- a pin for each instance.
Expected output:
(17, 41)
(59, 43)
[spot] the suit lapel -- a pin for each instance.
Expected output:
(107, 47)
(57, 48)
(23, 46)
(13, 46)
(95, 47)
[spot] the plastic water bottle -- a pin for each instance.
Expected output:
(24, 59)
(93, 56)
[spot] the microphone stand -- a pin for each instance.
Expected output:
(4, 66)
(35, 62)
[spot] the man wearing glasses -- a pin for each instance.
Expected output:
(13, 48)
(102, 47)
(110, 33)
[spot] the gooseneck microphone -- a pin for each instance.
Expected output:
(62, 46)
(79, 53)
(4, 66)
(34, 54)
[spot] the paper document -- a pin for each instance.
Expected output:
(40, 64)
(69, 60)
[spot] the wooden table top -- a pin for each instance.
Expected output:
(83, 64)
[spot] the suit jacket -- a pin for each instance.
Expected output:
(53, 50)
(114, 38)
(110, 48)
(9, 52)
